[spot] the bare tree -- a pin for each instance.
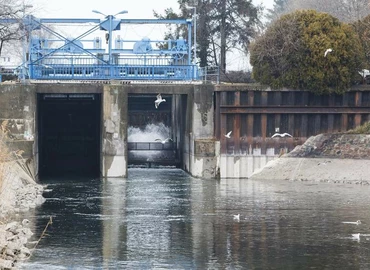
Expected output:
(344, 10)
(10, 11)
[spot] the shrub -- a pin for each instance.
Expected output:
(291, 53)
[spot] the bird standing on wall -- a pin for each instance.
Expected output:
(281, 135)
(327, 51)
(164, 141)
(159, 101)
(228, 135)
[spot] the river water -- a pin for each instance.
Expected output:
(165, 219)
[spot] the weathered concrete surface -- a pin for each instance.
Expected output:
(325, 157)
(202, 155)
(197, 146)
(114, 131)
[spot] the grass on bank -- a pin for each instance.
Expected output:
(363, 129)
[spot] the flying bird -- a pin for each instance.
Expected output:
(163, 141)
(327, 51)
(358, 222)
(228, 134)
(159, 101)
(281, 135)
(236, 217)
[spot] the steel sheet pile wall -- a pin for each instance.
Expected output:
(254, 115)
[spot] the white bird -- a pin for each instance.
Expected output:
(327, 51)
(163, 141)
(358, 222)
(237, 217)
(228, 134)
(25, 222)
(281, 135)
(356, 236)
(159, 101)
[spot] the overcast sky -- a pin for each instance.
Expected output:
(142, 9)
(82, 8)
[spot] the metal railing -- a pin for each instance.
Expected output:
(119, 72)
(151, 146)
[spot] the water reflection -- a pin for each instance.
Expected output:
(164, 219)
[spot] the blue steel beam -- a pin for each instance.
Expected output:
(128, 21)
(70, 20)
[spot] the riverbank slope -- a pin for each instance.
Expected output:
(19, 193)
(338, 157)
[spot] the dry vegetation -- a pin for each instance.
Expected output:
(4, 152)
(363, 129)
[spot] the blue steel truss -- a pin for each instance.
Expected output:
(84, 58)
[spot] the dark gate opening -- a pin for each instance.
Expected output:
(69, 134)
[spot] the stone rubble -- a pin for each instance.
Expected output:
(19, 193)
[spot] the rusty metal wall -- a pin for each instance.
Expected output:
(254, 115)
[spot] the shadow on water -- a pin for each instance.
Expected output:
(165, 219)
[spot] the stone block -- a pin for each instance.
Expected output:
(204, 148)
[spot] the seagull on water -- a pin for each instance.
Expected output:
(236, 217)
(163, 141)
(281, 135)
(356, 236)
(358, 222)
(159, 101)
(328, 51)
(228, 135)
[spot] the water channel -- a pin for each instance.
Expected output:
(165, 219)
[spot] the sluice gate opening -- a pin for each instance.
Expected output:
(69, 134)
(153, 139)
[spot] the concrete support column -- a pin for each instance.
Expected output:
(114, 131)
(203, 162)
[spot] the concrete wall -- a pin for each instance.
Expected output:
(17, 120)
(114, 131)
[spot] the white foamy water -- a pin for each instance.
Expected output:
(150, 133)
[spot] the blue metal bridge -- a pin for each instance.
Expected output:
(50, 55)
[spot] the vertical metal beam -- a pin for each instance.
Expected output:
(277, 121)
(317, 124)
(237, 98)
(357, 119)
(250, 130)
(330, 123)
(304, 124)
(278, 99)
(344, 122)
(358, 98)
(223, 131)
(264, 98)
(236, 136)
(250, 98)
(218, 115)
(263, 131)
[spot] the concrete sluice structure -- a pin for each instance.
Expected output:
(81, 128)
(89, 128)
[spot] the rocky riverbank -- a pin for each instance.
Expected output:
(19, 193)
(339, 158)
